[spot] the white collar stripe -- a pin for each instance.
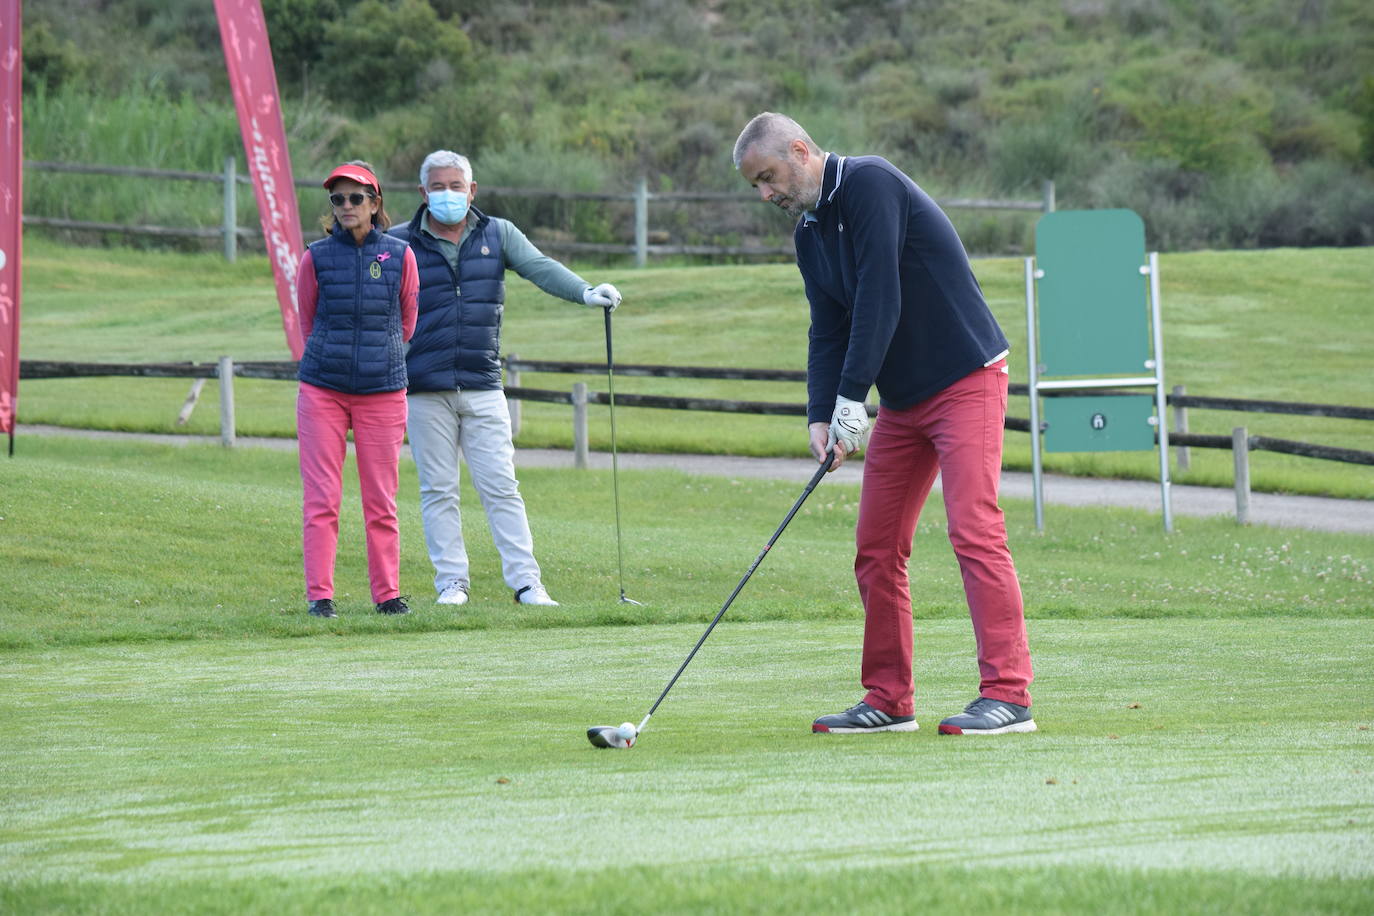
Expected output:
(839, 173)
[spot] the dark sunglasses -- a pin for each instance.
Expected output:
(356, 198)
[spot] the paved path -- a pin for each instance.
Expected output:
(1283, 511)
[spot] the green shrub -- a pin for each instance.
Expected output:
(1200, 112)
(1025, 153)
(1364, 110)
(1318, 203)
(393, 54)
(293, 27)
(1234, 209)
(49, 62)
(525, 165)
(1322, 203)
(1300, 129)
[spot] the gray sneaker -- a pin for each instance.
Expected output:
(986, 716)
(862, 719)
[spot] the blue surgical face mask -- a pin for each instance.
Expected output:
(448, 207)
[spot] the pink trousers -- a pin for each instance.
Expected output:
(958, 435)
(378, 421)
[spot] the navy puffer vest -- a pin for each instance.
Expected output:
(355, 343)
(457, 340)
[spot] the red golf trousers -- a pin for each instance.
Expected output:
(958, 435)
(378, 421)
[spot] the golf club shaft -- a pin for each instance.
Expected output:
(815, 479)
(615, 460)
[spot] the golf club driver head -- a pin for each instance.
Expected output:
(605, 736)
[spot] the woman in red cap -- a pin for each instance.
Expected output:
(355, 291)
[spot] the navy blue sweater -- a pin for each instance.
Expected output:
(893, 298)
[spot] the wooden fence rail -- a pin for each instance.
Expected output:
(641, 197)
(284, 370)
(1242, 405)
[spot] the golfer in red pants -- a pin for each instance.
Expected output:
(894, 304)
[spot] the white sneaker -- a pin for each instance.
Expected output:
(453, 593)
(534, 594)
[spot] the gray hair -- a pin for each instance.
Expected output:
(444, 159)
(772, 132)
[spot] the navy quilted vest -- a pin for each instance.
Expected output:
(355, 344)
(457, 340)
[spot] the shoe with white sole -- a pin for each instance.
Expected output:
(863, 719)
(534, 594)
(986, 716)
(453, 593)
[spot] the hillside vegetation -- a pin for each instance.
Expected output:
(1245, 123)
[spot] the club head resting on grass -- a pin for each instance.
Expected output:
(608, 736)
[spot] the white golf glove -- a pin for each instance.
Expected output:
(604, 296)
(848, 424)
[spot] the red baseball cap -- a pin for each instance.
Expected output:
(355, 173)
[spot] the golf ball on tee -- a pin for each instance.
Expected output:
(626, 730)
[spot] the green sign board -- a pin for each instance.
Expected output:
(1094, 316)
(1110, 423)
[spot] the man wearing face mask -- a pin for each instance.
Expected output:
(455, 398)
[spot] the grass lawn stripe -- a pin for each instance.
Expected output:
(1217, 746)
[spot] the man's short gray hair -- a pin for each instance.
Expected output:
(771, 133)
(444, 159)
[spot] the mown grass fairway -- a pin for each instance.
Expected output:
(1182, 766)
(179, 736)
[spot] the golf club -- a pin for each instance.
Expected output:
(615, 463)
(626, 734)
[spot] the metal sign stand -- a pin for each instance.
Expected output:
(1087, 329)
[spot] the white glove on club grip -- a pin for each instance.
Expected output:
(849, 423)
(603, 296)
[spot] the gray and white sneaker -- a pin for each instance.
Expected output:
(454, 592)
(986, 716)
(534, 594)
(862, 719)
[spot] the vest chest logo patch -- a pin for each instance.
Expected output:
(486, 250)
(374, 270)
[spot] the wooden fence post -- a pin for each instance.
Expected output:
(191, 398)
(579, 402)
(513, 404)
(226, 401)
(231, 210)
(1181, 426)
(1240, 450)
(641, 222)
(1047, 202)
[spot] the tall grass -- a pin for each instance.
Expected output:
(146, 128)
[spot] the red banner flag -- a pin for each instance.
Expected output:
(243, 31)
(11, 207)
